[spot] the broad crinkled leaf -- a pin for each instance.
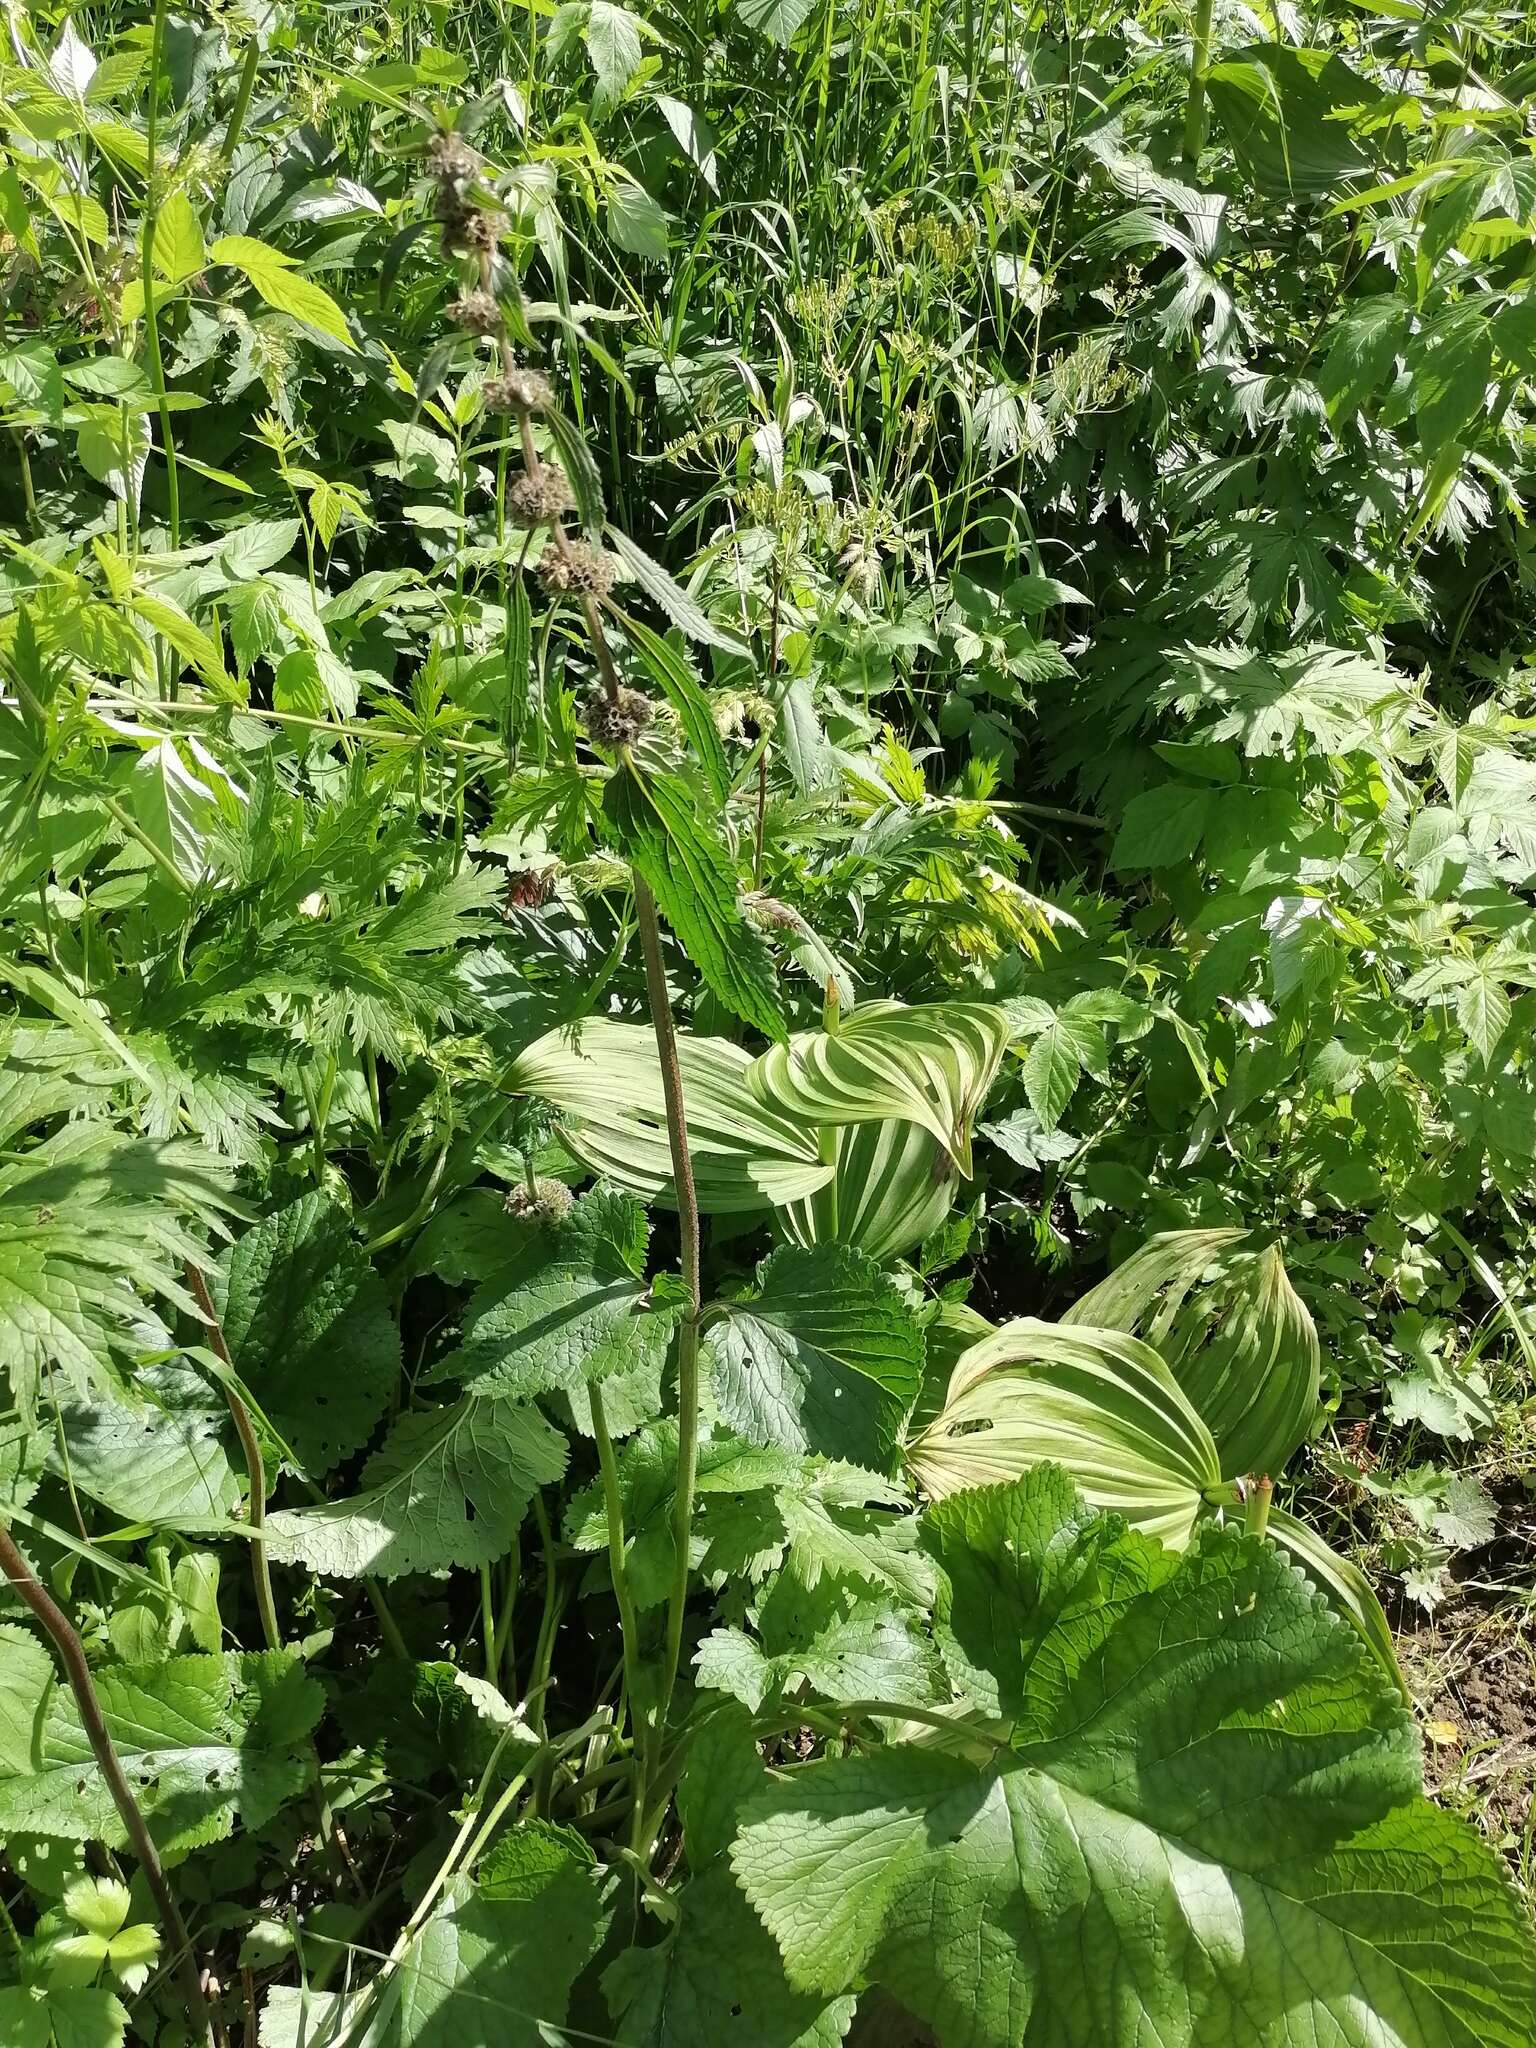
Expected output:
(201, 1739)
(569, 1308)
(1231, 1329)
(605, 1078)
(1206, 1830)
(930, 1064)
(309, 1329)
(825, 1356)
(163, 1462)
(842, 1643)
(1098, 1402)
(448, 1486)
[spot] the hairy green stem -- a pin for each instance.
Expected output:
(71, 1653)
(1199, 65)
(250, 1446)
(613, 1507)
(147, 261)
(688, 1325)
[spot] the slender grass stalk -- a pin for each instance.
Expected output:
(243, 91)
(250, 1446)
(613, 1506)
(71, 1653)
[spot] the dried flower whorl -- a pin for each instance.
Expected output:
(450, 157)
(518, 390)
(547, 1201)
(477, 311)
(616, 721)
(540, 499)
(577, 567)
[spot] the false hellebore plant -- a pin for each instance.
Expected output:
(963, 1668)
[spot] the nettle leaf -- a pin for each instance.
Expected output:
(26, 1677)
(605, 1078)
(815, 1520)
(448, 1486)
(677, 1994)
(1208, 1792)
(839, 1641)
(1231, 1329)
(657, 824)
(1098, 1402)
(892, 1185)
(825, 1357)
(310, 1330)
(201, 1739)
(162, 1462)
(931, 1065)
(570, 1307)
(776, 19)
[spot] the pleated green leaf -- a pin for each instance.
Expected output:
(1343, 1583)
(893, 1184)
(931, 1065)
(1098, 1402)
(1233, 1331)
(605, 1079)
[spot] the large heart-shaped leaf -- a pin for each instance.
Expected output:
(930, 1065)
(605, 1078)
(1233, 1332)
(1098, 1402)
(893, 1184)
(1203, 1829)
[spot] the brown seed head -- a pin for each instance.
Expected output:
(577, 567)
(477, 311)
(616, 721)
(449, 156)
(518, 390)
(540, 500)
(484, 229)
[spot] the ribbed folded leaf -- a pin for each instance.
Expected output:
(1233, 1332)
(930, 1065)
(605, 1078)
(1097, 1402)
(893, 1183)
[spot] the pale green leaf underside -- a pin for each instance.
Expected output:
(606, 1080)
(893, 1184)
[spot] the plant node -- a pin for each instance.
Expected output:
(450, 157)
(518, 390)
(477, 311)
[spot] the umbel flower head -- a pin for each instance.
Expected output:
(577, 567)
(518, 390)
(540, 499)
(617, 721)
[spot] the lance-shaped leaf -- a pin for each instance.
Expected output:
(892, 1185)
(656, 823)
(930, 1065)
(1098, 1402)
(825, 1357)
(1206, 1829)
(1233, 1332)
(449, 1486)
(200, 1739)
(605, 1079)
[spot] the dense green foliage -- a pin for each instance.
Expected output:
(767, 832)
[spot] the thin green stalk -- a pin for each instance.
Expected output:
(613, 1506)
(1199, 65)
(243, 92)
(147, 260)
(688, 1324)
(250, 1445)
(71, 1653)
(1258, 1494)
